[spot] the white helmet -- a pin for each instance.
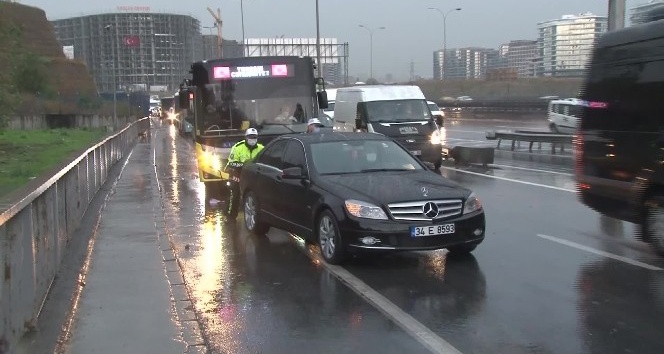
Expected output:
(251, 131)
(314, 121)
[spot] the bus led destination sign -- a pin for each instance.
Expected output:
(241, 72)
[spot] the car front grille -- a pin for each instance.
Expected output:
(415, 211)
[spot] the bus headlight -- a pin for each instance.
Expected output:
(211, 160)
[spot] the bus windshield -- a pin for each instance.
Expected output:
(274, 98)
(228, 107)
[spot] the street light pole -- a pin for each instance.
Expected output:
(115, 87)
(318, 63)
(371, 32)
(444, 31)
(242, 18)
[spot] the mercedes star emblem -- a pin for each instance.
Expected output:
(430, 210)
(425, 191)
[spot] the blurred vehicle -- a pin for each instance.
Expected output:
(357, 191)
(563, 115)
(398, 111)
(620, 142)
(168, 108)
(436, 112)
(184, 117)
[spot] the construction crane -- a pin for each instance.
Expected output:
(217, 23)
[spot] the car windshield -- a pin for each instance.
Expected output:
(357, 156)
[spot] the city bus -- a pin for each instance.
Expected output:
(276, 95)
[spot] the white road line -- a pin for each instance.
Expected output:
(409, 324)
(465, 131)
(601, 253)
(513, 127)
(462, 139)
(509, 180)
(534, 170)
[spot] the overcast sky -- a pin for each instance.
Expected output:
(412, 32)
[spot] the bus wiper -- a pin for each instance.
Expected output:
(283, 125)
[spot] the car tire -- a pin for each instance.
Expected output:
(652, 225)
(252, 217)
(554, 128)
(329, 238)
(464, 248)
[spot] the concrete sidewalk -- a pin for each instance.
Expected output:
(128, 304)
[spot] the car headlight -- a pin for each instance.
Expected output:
(365, 210)
(472, 204)
(437, 137)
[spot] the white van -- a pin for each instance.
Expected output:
(398, 111)
(564, 115)
(331, 99)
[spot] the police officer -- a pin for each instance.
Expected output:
(241, 153)
(314, 125)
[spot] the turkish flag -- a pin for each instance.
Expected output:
(131, 41)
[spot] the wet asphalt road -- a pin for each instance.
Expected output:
(551, 277)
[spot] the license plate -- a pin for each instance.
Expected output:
(416, 152)
(433, 230)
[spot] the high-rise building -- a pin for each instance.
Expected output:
(565, 44)
(650, 11)
(137, 50)
(466, 63)
(521, 56)
(438, 60)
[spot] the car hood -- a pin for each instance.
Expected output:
(392, 187)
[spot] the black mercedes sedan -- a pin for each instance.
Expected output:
(357, 191)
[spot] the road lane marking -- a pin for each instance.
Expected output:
(510, 180)
(409, 324)
(534, 169)
(464, 131)
(601, 253)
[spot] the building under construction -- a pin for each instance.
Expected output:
(136, 50)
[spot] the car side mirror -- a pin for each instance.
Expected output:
(439, 121)
(183, 98)
(292, 173)
(359, 125)
(429, 165)
(322, 99)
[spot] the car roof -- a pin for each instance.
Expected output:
(333, 137)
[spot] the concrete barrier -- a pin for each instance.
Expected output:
(35, 231)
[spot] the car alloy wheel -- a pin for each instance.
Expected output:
(251, 219)
(329, 239)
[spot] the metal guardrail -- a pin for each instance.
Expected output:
(531, 137)
(495, 105)
(36, 231)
